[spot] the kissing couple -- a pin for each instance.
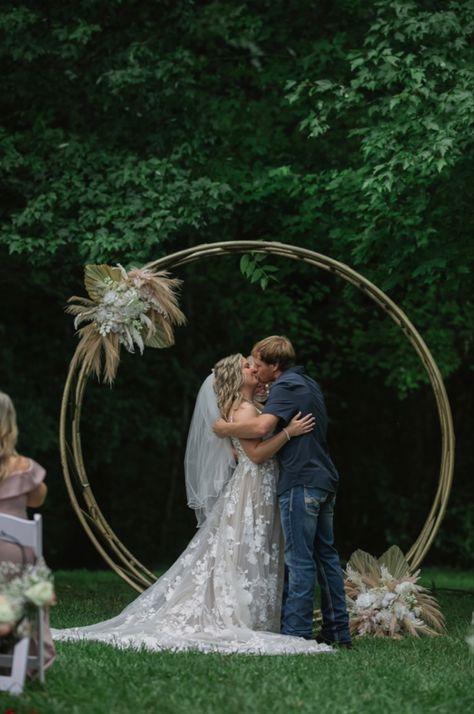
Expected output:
(263, 486)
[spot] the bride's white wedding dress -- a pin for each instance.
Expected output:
(224, 592)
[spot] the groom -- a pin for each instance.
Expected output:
(306, 491)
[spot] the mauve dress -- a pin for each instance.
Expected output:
(14, 491)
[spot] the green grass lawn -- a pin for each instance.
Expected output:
(378, 676)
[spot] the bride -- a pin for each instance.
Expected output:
(223, 594)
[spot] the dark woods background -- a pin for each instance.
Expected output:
(131, 130)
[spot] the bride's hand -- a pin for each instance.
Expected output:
(301, 425)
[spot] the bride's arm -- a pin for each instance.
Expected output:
(253, 426)
(259, 451)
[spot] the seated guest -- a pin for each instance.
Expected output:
(21, 486)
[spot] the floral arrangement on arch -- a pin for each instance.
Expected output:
(22, 589)
(385, 600)
(130, 309)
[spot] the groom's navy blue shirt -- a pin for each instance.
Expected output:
(304, 460)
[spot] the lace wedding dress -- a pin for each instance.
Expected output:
(224, 592)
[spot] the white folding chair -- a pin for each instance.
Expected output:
(27, 534)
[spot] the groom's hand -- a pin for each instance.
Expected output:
(220, 428)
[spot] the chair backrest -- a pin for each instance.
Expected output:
(27, 534)
(22, 531)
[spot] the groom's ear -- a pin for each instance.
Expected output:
(275, 368)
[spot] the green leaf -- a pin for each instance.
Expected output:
(256, 275)
(244, 263)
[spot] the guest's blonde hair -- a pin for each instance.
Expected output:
(228, 378)
(276, 349)
(8, 432)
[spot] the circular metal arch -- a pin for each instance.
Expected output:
(116, 555)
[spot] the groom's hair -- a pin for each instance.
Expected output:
(275, 350)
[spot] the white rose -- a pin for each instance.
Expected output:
(40, 594)
(365, 600)
(7, 614)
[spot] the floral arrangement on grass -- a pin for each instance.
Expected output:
(384, 599)
(129, 309)
(22, 589)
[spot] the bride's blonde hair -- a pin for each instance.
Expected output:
(8, 432)
(228, 378)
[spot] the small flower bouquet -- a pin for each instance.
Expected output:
(21, 590)
(384, 599)
(129, 309)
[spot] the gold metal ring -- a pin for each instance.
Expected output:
(80, 491)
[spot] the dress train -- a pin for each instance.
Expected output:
(223, 594)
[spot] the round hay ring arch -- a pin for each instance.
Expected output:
(117, 556)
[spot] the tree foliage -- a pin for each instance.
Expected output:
(131, 130)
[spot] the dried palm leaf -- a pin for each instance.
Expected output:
(395, 562)
(162, 288)
(95, 279)
(89, 352)
(366, 565)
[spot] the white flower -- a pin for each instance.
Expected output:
(400, 610)
(109, 297)
(405, 587)
(410, 600)
(386, 575)
(383, 616)
(365, 600)
(123, 310)
(40, 594)
(7, 613)
(387, 599)
(378, 595)
(21, 588)
(355, 577)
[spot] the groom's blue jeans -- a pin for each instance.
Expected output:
(307, 520)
